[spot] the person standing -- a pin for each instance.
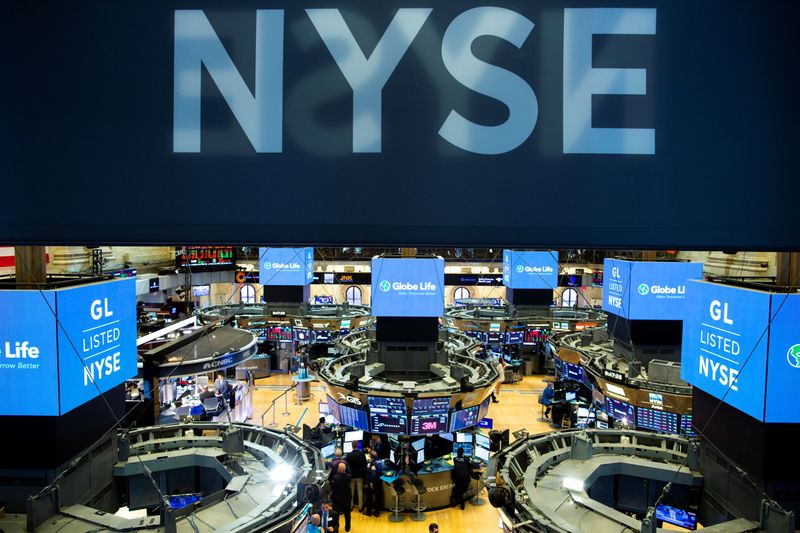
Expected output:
(462, 472)
(433, 528)
(340, 493)
(373, 485)
(338, 457)
(313, 526)
(328, 518)
(358, 469)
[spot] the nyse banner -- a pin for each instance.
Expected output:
(642, 290)
(410, 106)
(724, 348)
(286, 266)
(408, 287)
(96, 339)
(29, 359)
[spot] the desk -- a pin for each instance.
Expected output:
(303, 387)
(438, 483)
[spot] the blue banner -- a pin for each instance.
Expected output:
(29, 363)
(286, 266)
(408, 287)
(642, 290)
(530, 270)
(725, 327)
(368, 122)
(96, 339)
(783, 373)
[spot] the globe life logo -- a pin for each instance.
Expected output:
(386, 286)
(793, 356)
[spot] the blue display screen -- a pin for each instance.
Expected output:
(464, 418)
(467, 447)
(303, 335)
(530, 270)
(572, 371)
(686, 426)
(494, 337)
(408, 287)
(514, 337)
(678, 517)
(784, 359)
(429, 415)
(483, 409)
(98, 321)
(322, 336)
(641, 290)
(323, 300)
(355, 418)
(656, 420)
(29, 365)
(387, 415)
(182, 500)
(333, 407)
(620, 411)
(286, 266)
(725, 326)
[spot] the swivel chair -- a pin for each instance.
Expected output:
(397, 487)
(418, 489)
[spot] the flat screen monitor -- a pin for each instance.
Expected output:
(583, 412)
(514, 337)
(329, 450)
(429, 415)
(201, 290)
(464, 418)
(482, 440)
(572, 371)
(686, 426)
(620, 411)
(350, 436)
(322, 336)
(302, 335)
(355, 418)
(678, 517)
(467, 448)
(394, 442)
(532, 336)
(348, 446)
(464, 437)
(182, 500)
(570, 396)
(602, 425)
(418, 444)
(421, 456)
(655, 420)
(329, 419)
(483, 410)
(323, 300)
(446, 436)
(387, 415)
(482, 453)
(333, 408)
(494, 337)
(324, 408)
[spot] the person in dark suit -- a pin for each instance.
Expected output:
(373, 485)
(340, 493)
(358, 469)
(462, 471)
(328, 518)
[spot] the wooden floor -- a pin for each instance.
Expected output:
(518, 408)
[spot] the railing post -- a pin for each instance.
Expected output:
(273, 424)
(286, 402)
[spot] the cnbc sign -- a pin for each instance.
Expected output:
(286, 266)
(530, 270)
(647, 290)
(407, 287)
(729, 327)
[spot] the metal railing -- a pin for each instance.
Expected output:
(285, 395)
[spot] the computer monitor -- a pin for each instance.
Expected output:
(464, 437)
(329, 419)
(429, 416)
(678, 517)
(467, 448)
(348, 446)
(482, 440)
(421, 456)
(569, 396)
(324, 408)
(418, 444)
(464, 418)
(447, 436)
(394, 442)
(355, 418)
(387, 414)
(329, 450)
(583, 412)
(602, 425)
(350, 436)
(482, 453)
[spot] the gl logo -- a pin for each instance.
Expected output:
(385, 286)
(615, 272)
(644, 289)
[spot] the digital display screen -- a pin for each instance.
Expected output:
(323, 300)
(494, 337)
(421, 456)
(464, 437)
(483, 410)
(620, 410)
(464, 418)
(329, 450)
(205, 257)
(418, 444)
(467, 447)
(323, 336)
(201, 290)
(333, 408)
(286, 266)
(533, 336)
(597, 279)
(515, 337)
(355, 418)
(387, 415)
(447, 436)
(572, 371)
(280, 333)
(686, 426)
(677, 517)
(479, 336)
(350, 436)
(656, 420)
(429, 415)
(482, 440)
(408, 287)
(530, 270)
(482, 453)
(302, 335)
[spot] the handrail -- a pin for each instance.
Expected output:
(285, 395)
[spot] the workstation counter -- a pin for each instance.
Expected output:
(436, 477)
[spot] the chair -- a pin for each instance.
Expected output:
(542, 407)
(397, 487)
(566, 423)
(477, 500)
(418, 489)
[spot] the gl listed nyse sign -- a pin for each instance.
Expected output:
(720, 340)
(260, 112)
(96, 367)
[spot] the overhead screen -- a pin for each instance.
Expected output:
(286, 266)
(246, 117)
(49, 368)
(644, 290)
(730, 350)
(530, 270)
(408, 287)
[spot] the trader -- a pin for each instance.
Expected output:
(547, 398)
(462, 472)
(329, 519)
(373, 485)
(358, 469)
(340, 492)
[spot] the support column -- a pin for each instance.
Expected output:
(408, 252)
(787, 268)
(30, 264)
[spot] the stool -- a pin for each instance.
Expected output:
(477, 500)
(397, 488)
(541, 411)
(419, 488)
(566, 423)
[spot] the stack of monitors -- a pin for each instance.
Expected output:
(387, 414)
(429, 415)
(464, 418)
(620, 411)
(686, 426)
(653, 419)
